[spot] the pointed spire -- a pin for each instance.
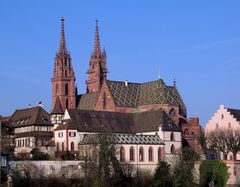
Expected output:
(57, 107)
(63, 46)
(97, 50)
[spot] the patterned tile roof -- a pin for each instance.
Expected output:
(87, 101)
(123, 139)
(149, 93)
(125, 95)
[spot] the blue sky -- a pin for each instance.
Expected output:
(195, 42)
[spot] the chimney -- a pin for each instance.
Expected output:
(40, 104)
(29, 106)
(126, 83)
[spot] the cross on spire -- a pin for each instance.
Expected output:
(62, 46)
(97, 50)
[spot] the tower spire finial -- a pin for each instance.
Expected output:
(62, 47)
(97, 50)
(174, 82)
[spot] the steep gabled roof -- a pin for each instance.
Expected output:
(99, 121)
(116, 122)
(57, 107)
(148, 93)
(136, 94)
(30, 116)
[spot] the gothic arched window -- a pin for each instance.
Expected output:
(122, 154)
(132, 154)
(141, 154)
(66, 89)
(150, 154)
(160, 154)
(72, 146)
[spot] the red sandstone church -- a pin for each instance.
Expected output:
(117, 96)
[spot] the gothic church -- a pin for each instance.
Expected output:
(107, 95)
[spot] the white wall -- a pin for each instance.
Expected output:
(222, 122)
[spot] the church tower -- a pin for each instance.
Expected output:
(97, 71)
(63, 81)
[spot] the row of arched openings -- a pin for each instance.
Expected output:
(140, 154)
(71, 146)
(65, 89)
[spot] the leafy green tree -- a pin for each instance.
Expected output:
(213, 170)
(162, 176)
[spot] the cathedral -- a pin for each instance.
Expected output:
(148, 121)
(103, 94)
(154, 103)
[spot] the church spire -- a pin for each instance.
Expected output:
(97, 50)
(62, 46)
(57, 107)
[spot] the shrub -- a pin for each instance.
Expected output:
(213, 170)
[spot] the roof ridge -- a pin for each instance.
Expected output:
(232, 109)
(138, 82)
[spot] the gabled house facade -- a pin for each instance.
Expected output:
(32, 128)
(224, 118)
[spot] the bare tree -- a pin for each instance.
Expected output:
(233, 141)
(216, 140)
(225, 141)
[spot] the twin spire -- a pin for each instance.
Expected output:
(63, 46)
